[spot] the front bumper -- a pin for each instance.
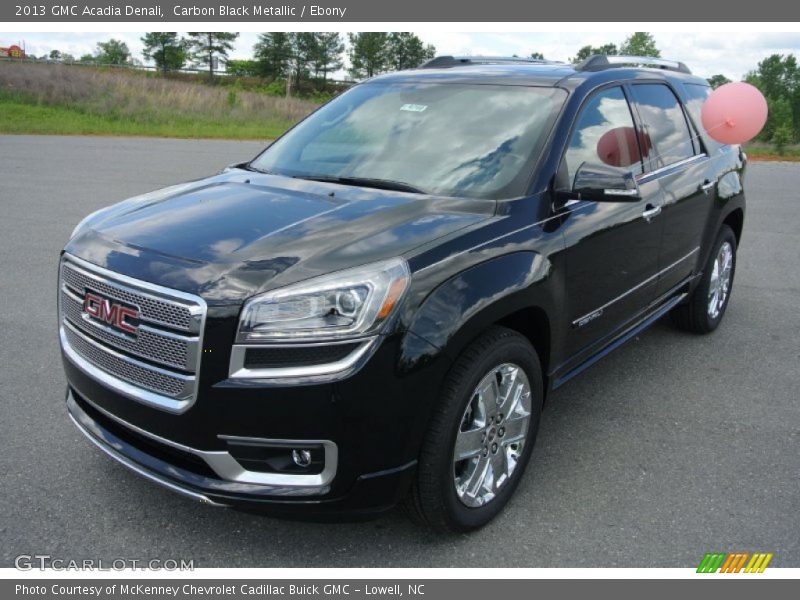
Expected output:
(176, 468)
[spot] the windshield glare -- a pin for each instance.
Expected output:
(478, 141)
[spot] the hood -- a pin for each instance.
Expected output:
(239, 233)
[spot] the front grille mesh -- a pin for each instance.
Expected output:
(173, 315)
(157, 358)
(167, 350)
(128, 371)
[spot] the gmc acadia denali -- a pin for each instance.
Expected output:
(373, 310)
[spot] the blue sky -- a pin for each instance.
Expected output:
(706, 53)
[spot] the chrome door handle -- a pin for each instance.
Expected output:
(651, 211)
(707, 186)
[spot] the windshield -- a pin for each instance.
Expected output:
(478, 141)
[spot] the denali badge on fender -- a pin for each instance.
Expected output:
(375, 309)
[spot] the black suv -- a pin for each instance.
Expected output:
(375, 308)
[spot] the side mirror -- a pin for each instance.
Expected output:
(602, 183)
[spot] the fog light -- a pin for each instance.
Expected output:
(302, 458)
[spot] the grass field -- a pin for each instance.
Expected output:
(760, 151)
(76, 100)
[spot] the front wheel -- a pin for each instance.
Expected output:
(481, 435)
(706, 306)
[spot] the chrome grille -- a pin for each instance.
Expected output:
(169, 350)
(159, 364)
(136, 373)
(175, 314)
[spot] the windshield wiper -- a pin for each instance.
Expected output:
(370, 182)
(249, 167)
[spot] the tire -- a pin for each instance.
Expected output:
(702, 313)
(499, 355)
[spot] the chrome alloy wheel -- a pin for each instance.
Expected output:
(719, 288)
(492, 434)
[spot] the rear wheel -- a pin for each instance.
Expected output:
(706, 306)
(481, 436)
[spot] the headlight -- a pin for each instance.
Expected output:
(346, 304)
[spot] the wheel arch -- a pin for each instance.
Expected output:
(735, 220)
(512, 291)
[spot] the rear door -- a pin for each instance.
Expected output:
(675, 160)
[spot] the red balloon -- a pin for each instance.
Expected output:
(734, 113)
(618, 147)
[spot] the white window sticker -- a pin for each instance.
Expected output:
(414, 107)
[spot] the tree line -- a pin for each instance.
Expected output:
(301, 58)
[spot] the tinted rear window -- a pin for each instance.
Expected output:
(668, 136)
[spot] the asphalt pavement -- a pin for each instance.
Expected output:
(673, 446)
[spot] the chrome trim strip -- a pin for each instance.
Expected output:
(665, 170)
(615, 192)
(583, 320)
(129, 390)
(620, 340)
(239, 371)
(139, 470)
(229, 469)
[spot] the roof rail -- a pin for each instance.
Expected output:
(599, 62)
(445, 62)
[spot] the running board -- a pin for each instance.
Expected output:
(644, 324)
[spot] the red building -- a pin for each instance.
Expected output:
(12, 52)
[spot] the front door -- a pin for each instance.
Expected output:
(611, 247)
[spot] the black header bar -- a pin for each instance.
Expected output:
(359, 11)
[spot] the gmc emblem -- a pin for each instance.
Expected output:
(115, 314)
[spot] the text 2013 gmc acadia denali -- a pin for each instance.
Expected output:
(375, 308)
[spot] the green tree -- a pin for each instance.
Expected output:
(782, 138)
(406, 51)
(242, 68)
(88, 58)
(717, 80)
(778, 78)
(327, 56)
(368, 53)
(537, 55)
(209, 46)
(640, 44)
(66, 57)
(54, 55)
(165, 49)
(587, 51)
(304, 48)
(273, 53)
(113, 52)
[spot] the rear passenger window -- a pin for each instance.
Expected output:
(604, 134)
(667, 139)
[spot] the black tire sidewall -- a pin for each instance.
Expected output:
(512, 349)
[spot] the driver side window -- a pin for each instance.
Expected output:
(604, 135)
